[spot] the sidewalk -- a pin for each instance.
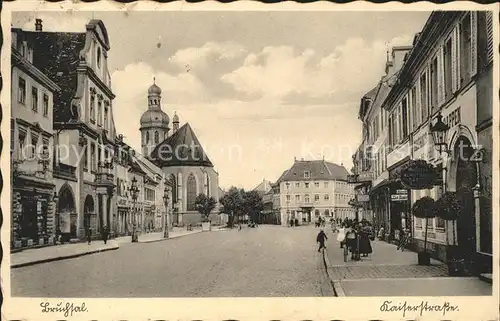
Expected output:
(389, 272)
(59, 252)
(158, 236)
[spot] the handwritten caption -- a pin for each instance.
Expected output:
(67, 309)
(421, 308)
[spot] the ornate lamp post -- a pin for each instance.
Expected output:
(439, 133)
(134, 193)
(166, 198)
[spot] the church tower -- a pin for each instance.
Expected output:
(154, 122)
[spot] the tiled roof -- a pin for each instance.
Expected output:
(318, 169)
(181, 149)
(57, 54)
(264, 186)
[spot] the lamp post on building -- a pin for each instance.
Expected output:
(166, 198)
(134, 192)
(439, 133)
(288, 202)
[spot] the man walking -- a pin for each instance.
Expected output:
(89, 235)
(321, 238)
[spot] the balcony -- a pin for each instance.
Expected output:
(104, 177)
(64, 171)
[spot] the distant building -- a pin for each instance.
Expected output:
(182, 159)
(313, 189)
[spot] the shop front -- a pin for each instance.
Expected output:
(399, 203)
(123, 221)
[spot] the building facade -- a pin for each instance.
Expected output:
(447, 73)
(313, 189)
(32, 97)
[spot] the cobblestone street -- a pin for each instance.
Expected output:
(263, 261)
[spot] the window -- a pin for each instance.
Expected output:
(424, 97)
(434, 84)
(307, 174)
(327, 213)
(105, 117)
(404, 116)
(34, 142)
(316, 184)
(22, 91)
(92, 109)
(85, 159)
(447, 69)
(413, 107)
(157, 137)
(99, 57)
(327, 197)
(99, 113)
(418, 223)
(22, 143)
(45, 105)
(297, 184)
(306, 185)
(191, 193)
(316, 198)
(92, 157)
(288, 198)
(150, 195)
(34, 99)
(297, 198)
(326, 184)
(147, 137)
(306, 198)
(465, 50)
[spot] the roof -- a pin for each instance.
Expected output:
(57, 55)
(181, 149)
(264, 187)
(319, 170)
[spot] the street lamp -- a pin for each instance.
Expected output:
(439, 133)
(134, 192)
(166, 198)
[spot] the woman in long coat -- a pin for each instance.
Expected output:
(365, 246)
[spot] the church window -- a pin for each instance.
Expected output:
(157, 137)
(191, 193)
(147, 137)
(99, 57)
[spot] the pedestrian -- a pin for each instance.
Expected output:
(365, 246)
(321, 238)
(89, 235)
(105, 234)
(239, 227)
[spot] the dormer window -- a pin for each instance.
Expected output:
(307, 174)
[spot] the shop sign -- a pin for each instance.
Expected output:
(402, 191)
(419, 175)
(362, 198)
(399, 197)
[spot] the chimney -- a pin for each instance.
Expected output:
(38, 25)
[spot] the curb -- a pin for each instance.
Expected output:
(166, 239)
(337, 288)
(60, 258)
(486, 278)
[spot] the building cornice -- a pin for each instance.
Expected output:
(23, 64)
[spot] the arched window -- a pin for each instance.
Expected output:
(327, 213)
(173, 179)
(157, 137)
(99, 57)
(191, 193)
(147, 137)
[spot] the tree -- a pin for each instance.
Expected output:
(448, 209)
(252, 204)
(205, 205)
(425, 208)
(232, 204)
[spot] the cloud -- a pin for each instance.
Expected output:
(353, 67)
(201, 57)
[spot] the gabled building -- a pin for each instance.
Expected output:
(83, 125)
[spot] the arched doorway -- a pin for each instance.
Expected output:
(465, 181)
(66, 216)
(89, 213)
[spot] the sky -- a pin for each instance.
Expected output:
(258, 88)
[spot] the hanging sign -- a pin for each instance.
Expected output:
(419, 175)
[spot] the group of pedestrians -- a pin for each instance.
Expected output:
(105, 234)
(356, 236)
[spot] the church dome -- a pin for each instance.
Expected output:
(154, 90)
(154, 116)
